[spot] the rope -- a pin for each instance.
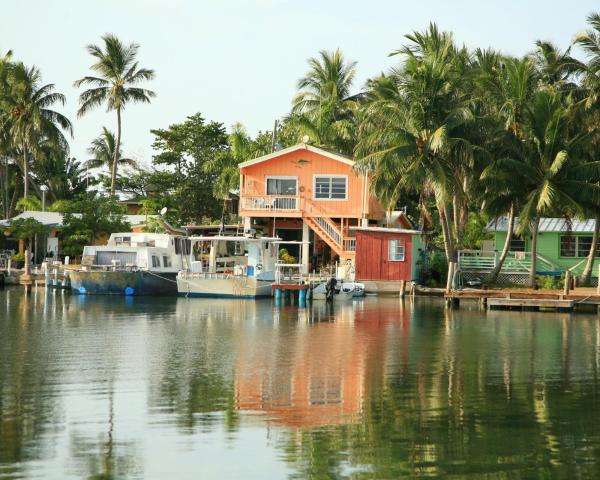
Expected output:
(162, 278)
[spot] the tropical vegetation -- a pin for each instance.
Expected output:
(457, 135)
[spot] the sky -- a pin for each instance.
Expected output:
(239, 60)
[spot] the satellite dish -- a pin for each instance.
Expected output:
(305, 139)
(163, 211)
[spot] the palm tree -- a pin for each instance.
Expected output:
(589, 41)
(412, 132)
(31, 121)
(556, 175)
(103, 152)
(116, 85)
(555, 67)
(324, 108)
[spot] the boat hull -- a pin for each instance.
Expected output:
(223, 286)
(123, 283)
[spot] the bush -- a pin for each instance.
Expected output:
(546, 282)
(18, 257)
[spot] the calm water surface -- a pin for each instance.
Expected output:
(98, 387)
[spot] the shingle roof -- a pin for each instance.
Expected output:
(548, 225)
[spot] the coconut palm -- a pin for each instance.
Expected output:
(116, 85)
(411, 135)
(589, 41)
(324, 109)
(103, 154)
(555, 67)
(551, 160)
(27, 106)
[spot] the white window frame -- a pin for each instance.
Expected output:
(281, 177)
(399, 243)
(314, 195)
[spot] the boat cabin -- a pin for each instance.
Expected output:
(138, 250)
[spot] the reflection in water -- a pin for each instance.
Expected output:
(99, 387)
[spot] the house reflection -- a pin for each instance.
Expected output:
(319, 373)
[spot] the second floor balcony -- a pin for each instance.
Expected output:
(271, 203)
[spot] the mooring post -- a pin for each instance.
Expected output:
(47, 275)
(302, 298)
(402, 288)
(567, 286)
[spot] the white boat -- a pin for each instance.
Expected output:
(229, 267)
(343, 291)
(131, 263)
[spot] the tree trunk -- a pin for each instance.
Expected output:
(113, 174)
(506, 248)
(446, 232)
(25, 174)
(534, 238)
(589, 265)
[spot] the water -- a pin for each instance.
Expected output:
(98, 387)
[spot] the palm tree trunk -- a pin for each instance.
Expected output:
(446, 232)
(589, 265)
(113, 174)
(534, 238)
(506, 248)
(25, 174)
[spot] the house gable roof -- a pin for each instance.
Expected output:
(302, 146)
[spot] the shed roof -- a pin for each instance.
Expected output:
(500, 224)
(302, 146)
(387, 230)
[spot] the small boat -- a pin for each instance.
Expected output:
(229, 266)
(341, 291)
(131, 264)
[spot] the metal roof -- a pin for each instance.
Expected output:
(52, 219)
(548, 225)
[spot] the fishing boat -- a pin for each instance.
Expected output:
(132, 264)
(229, 267)
(337, 291)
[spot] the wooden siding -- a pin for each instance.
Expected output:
(305, 165)
(372, 260)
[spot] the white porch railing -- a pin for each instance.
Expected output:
(515, 262)
(350, 244)
(278, 203)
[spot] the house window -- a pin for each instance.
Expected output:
(282, 185)
(568, 246)
(395, 251)
(517, 244)
(330, 187)
(584, 243)
(166, 261)
(155, 261)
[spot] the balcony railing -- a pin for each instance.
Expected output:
(276, 203)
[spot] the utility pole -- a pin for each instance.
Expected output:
(274, 137)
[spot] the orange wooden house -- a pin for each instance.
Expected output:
(300, 189)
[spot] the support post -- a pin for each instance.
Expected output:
(302, 298)
(597, 287)
(402, 288)
(567, 286)
(305, 247)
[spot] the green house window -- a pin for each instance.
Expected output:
(576, 246)
(517, 244)
(568, 246)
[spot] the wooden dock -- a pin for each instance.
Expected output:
(580, 299)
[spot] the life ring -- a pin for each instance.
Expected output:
(301, 188)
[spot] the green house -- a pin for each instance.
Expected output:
(562, 244)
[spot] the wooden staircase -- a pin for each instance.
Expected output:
(331, 234)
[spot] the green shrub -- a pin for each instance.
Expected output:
(546, 282)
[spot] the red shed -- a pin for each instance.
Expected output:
(386, 256)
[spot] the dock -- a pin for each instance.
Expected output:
(522, 299)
